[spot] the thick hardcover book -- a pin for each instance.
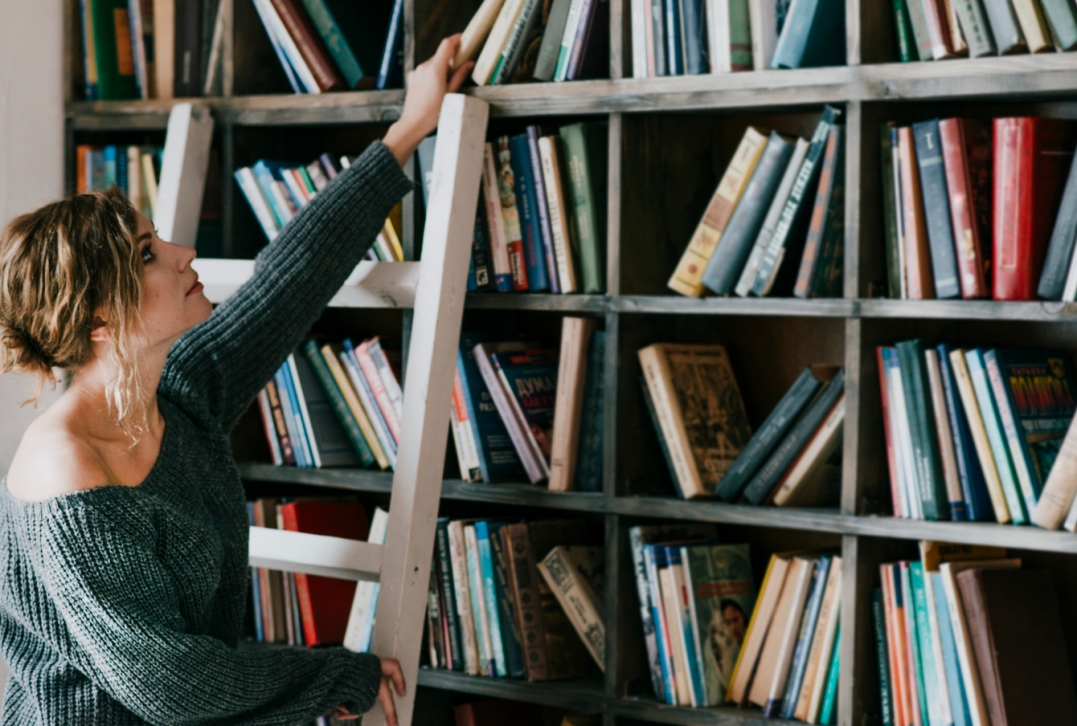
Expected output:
(966, 148)
(674, 41)
(938, 29)
(1032, 159)
(527, 203)
(919, 282)
(352, 33)
(969, 471)
(693, 26)
(1004, 27)
(524, 21)
(572, 372)
(491, 403)
(443, 553)
(109, 56)
(1033, 26)
(551, 154)
(511, 639)
(895, 271)
(542, 206)
(918, 20)
(781, 260)
(813, 35)
(727, 261)
(925, 443)
(1063, 19)
(975, 28)
(1017, 636)
(576, 577)
(307, 41)
(686, 279)
(823, 263)
(879, 622)
(337, 401)
(591, 453)
(520, 264)
(776, 426)
(330, 444)
(1059, 259)
(530, 380)
(325, 601)
(391, 66)
(546, 63)
(929, 157)
(586, 153)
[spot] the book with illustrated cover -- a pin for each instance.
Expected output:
(576, 576)
(530, 379)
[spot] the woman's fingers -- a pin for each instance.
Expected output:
(387, 704)
(447, 49)
(459, 76)
(391, 669)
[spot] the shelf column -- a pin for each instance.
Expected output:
(613, 204)
(868, 31)
(857, 667)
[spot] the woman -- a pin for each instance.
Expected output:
(124, 527)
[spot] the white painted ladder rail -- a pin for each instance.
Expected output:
(402, 564)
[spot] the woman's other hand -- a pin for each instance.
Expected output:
(390, 671)
(427, 86)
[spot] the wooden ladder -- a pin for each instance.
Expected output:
(402, 564)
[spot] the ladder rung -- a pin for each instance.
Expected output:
(314, 554)
(371, 284)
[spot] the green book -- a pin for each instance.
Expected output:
(586, 152)
(913, 631)
(927, 462)
(1063, 19)
(890, 211)
(110, 35)
(568, 39)
(353, 33)
(828, 712)
(928, 666)
(920, 34)
(904, 32)
(546, 64)
(340, 406)
(975, 27)
(883, 662)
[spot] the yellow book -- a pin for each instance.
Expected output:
(149, 179)
(686, 278)
(393, 239)
(979, 435)
(352, 400)
(738, 682)
(1033, 26)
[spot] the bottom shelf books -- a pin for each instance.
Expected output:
(516, 599)
(965, 636)
(702, 648)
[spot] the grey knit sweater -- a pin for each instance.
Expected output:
(123, 605)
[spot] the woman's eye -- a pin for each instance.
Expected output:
(147, 254)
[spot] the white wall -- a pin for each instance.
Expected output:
(31, 154)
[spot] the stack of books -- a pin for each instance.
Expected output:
(525, 413)
(135, 170)
(776, 222)
(689, 37)
(972, 434)
(939, 29)
(971, 207)
(516, 600)
(276, 191)
(544, 40)
(334, 405)
(964, 636)
(540, 225)
(332, 45)
(694, 402)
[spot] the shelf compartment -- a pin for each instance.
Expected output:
(576, 694)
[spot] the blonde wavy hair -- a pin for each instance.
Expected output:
(58, 266)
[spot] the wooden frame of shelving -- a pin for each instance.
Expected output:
(636, 308)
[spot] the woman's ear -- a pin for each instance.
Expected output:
(99, 329)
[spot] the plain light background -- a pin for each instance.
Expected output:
(31, 158)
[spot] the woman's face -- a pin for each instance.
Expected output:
(173, 301)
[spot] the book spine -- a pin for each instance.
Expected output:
(995, 435)
(486, 573)
(550, 48)
(878, 620)
(959, 708)
(466, 450)
(584, 28)
(929, 683)
(549, 151)
(445, 573)
(572, 373)
(435, 636)
(511, 637)
(894, 270)
(973, 487)
(1030, 16)
(253, 194)
(966, 231)
(365, 362)
(903, 29)
(267, 426)
(1059, 259)
(1024, 468)
(367, 413)
(285, 441)
(648, 402)
(481, 263)
(674, 631)
(938, 29)
(825, 642)
(659, 383)
(300, 427)
(511, 53)
(577, 600)
(975, 28)
(637, 20)
(934, 630)
(813, 256)
(587, 170)
(1063, 19)
(646, 611)
(919, 281)
(804, 637)
(926, 458)
(512, 424)
(542, 204)
(391, 66)
(828, 279)
(492, 200)
(568, 38)
(920, 31)
(793, 40)
(889, 429)
(936, 207)
(682, 600)
(458, 563)
(525, 592)
(830, 695)
(665, 650)
(340, 406)
(302, 586)
(954, 493)
(528, 204)
(591, 453)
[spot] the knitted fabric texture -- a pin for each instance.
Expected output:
(124, 605)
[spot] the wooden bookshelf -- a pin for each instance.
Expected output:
(670, 139)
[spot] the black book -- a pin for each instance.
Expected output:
(1060, 250)
(188, 58)
(822, 265)
(735, 244)
(927, 460)
(940, 231)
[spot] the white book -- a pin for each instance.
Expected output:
(495, 42)
(388, 445)
(1071, 518)
(762, 15)
(559, 224)
(639, 18)
(462, 593)
(164, 46)
(361, 618)
(388, 378)
(183, 173)
(945, 709)
(253, 192)
(1069, 292)
(487, 666)
(476, 31)
(790, 632)
(718, 36)
(302, 420)
(275, 27)
(297, 193)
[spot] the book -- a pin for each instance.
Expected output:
(519, 266)
(503, 401)
(731, 253)
(325, 601)
(919, 281)
(568, 406)
(476, 31)
(1032, 157)
(586, 150)
(590, 456)
(590, 51)
(505, 278)
(969, 471)
(730, 39)
(367, 413)
(140, 14)
(882, 663)
(929, 666)
(1062, 18)
(686, 693)
(703, 447)
(903, 30)
(563, 237)
(805, 634)
(774, 428)
(921, 34)
(109, 60)
(995, 434)
(344, 404)
(824, 641)
(510, 53)
(462, 596)
(444, 572)
(495, 42)
(530, 381)
(1033, 26)
(164, 42)
(755, 636)
(768, 687)
(822, 265)
(391, 67)
(511, 637)
(1059, 257)
(812, 480)
(271, 582)
(295, 65)
(938, 29)
(479, 605)
(351, 35)
(1056, 499)
(975, 28)
(329, 444)
(945, 436)
(574, 575)
(550, 48)
(927, 460)
(282, 437)
(763, 24)
(289, 406)
(966, 150)
(497, 458)
(183, 173)
(813, 35)
(687, 278)
(673, 40)
(543, 206)
(528, 204)
(653, 556)
(1004, 27)
(491, 613)
(929, 158)
(693, 37)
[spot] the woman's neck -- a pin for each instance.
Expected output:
(89, 393)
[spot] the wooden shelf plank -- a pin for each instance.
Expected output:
(1037, 311)
(646, 710)
(982, 533)
(675, 304)
(538, 301)
(815, 520)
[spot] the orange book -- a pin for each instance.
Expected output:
(921, 283)
(897, 682)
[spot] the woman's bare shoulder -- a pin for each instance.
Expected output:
(53, 460)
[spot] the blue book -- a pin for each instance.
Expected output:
(256, 588)
(674, 47)
(391, 70)
(694, 37)
(978, 506)
(511, 638)
(533, 133)
(121, 169)
(812, 35)
(804, 637)
(478, 600)
(927, 652)
(486, 564)
(697, 687)
(590, 454)
(297, 417)
(959, 705)
(654, 559)
(527, 204)
(498, 460)
(109, 156)
(283, 380)
(388, 441)
(267, 173)
(452, 617)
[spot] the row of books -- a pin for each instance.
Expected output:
(544, 40)
(971, 208)
(972, 433)
(334, 405)
(333, 45)
(540, 225)
(692, 396)
(689, 37)
(965, 636)
(526, 413)
(516, 600)
(300, 609)
(760, 233)
(134, 169)
(940, 29)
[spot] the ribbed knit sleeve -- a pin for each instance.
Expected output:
(122, 625)
(219, 366)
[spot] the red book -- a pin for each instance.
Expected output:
(309, 44)
(1032, 158)
(966, 153)
(325, 602)
(938, 28)
(918, 277)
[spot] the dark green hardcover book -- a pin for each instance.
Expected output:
(113, 55)
(444, 573)
(340, 406)
(903, 28)
(353, 33)
(879, 622)
(777, 425)
(511, 642)
(727, 262)
(894, 273)
(940, 231)
(781, 260)
(925, 443)
(586, 154)
(794, 442)
(1060, 250)
(822, 265)
(550, 48)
